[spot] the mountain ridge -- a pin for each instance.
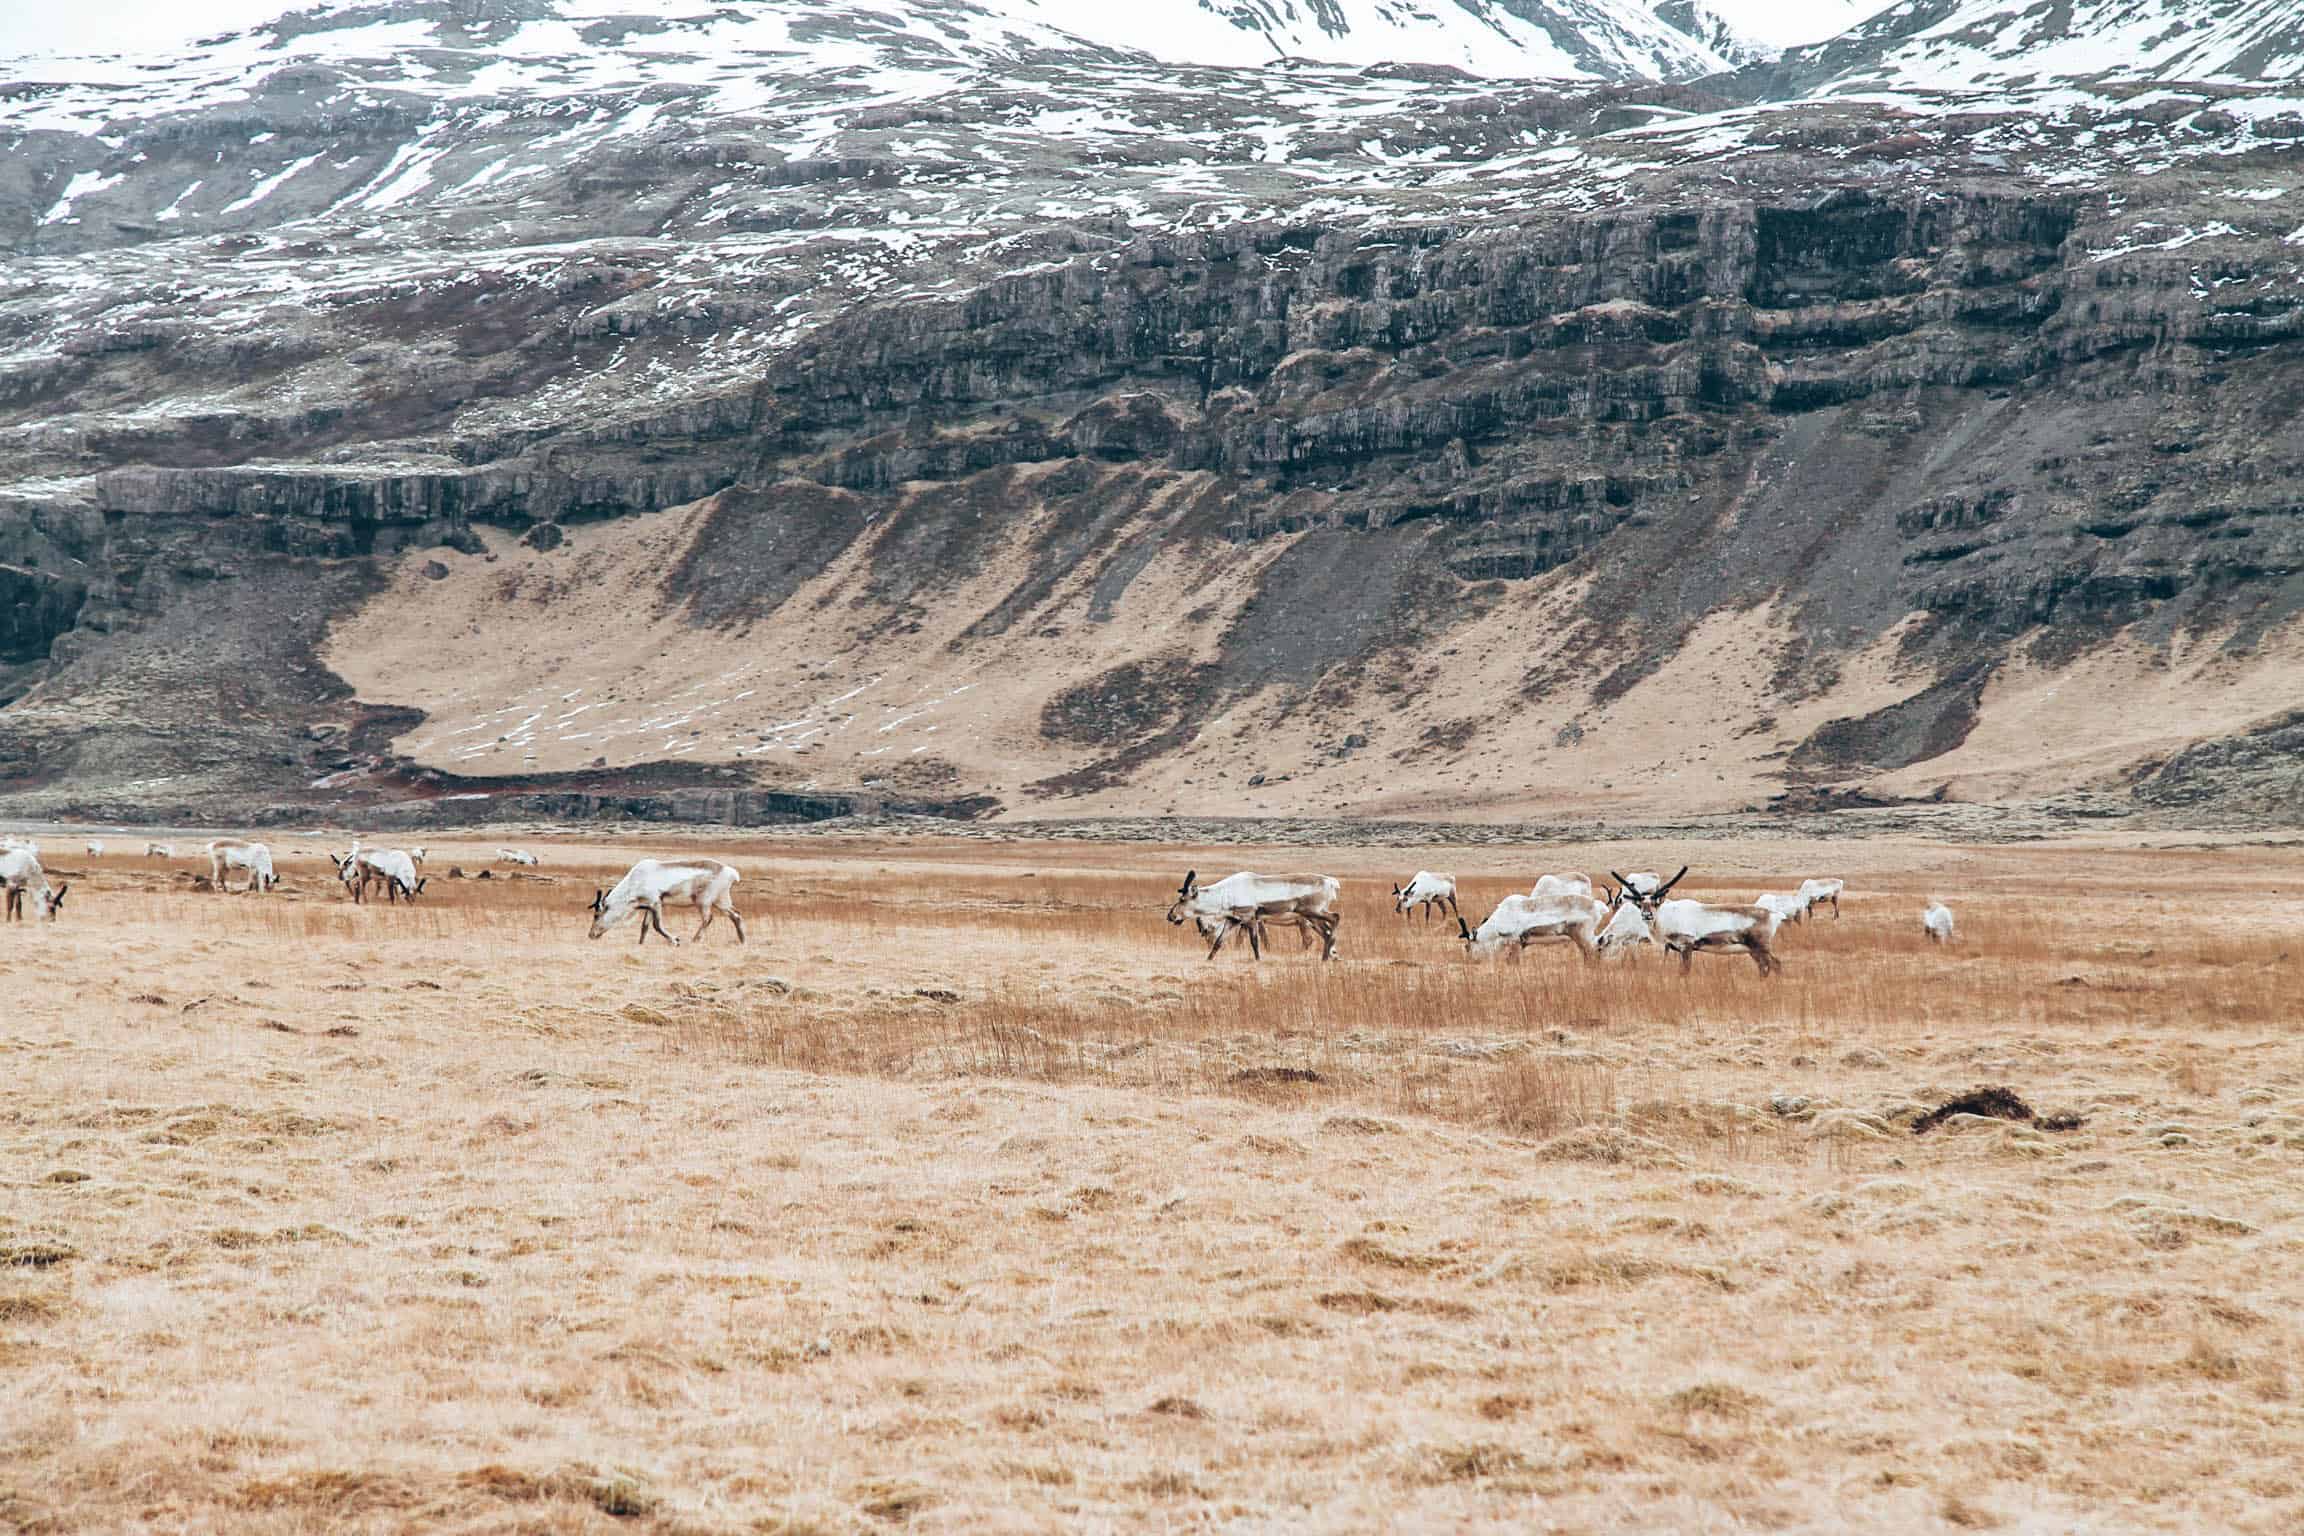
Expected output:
(924, 417)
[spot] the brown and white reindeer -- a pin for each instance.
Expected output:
(21, 877)
(1250, 901)
(1520, 921)
(1685, 926)
(226, 854)
(1427, 890)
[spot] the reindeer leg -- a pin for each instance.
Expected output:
(709, 914)
(1687, 958)
(1256, 938)
(737, 918)
(1328, 936)
(1223, 932)
(1764, 958)
(1584, 945)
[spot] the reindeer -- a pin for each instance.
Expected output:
(645, 887)
(1427, 890)
(95, 847)
(1816, 892)
(362, 866)
(1936, 922)
(22, 876)
(514, 856)
(1249, 901)
(1685, 926)
(1523, 920)
(1625, 929)
(159, 850)
(226, 854)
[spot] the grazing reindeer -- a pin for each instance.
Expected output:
(1523, 920)
(159, 850)
(1685, 926)
(390, 866)
(1249, 901)
(226, 854)
(1816, 892)
(416, 855)
(514, 856)
(1936, 922)
(649, 883)
(1427, 890)
(22, 876)
(95, 847)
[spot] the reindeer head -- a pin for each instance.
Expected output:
(1181, 908)
(52, 902)
(1646, 901)
(603, 917)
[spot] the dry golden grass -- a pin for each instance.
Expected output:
(969, 1197)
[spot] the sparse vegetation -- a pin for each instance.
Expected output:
(967, 1196)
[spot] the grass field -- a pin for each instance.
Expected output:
(967, 1196)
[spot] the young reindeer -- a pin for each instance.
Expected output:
(1936, 922)
(1684, 926)
(650, 883)
(1250, 901)
(22, 876)
(1427, 890)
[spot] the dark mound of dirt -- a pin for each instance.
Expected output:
(1999, 1104)
(1276, 1075)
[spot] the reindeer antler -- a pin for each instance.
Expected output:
(1666, 888)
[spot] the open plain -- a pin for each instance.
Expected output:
(968, 1196)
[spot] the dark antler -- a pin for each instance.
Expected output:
(1666, 889)
(1186, 888)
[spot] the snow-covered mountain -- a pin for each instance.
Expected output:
(1560, 39)
(1988, 45)
(1069, 420)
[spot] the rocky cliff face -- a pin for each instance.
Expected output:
(1067, 431)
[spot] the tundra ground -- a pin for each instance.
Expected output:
(968, 1196)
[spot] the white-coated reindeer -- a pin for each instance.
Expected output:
(1817, 892)
(159, 850)
(1427, 890)
(514, 856)
(1524, 920)
(707, 883)
(390, 866)
(1625, 930)
(20, 877)
(95, 847)
(416, 855)
(11, 843)
(1936, 922)
(226, 854)
(1685, 926)
(1249, 901)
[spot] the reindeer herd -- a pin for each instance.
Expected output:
(1636, 909)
